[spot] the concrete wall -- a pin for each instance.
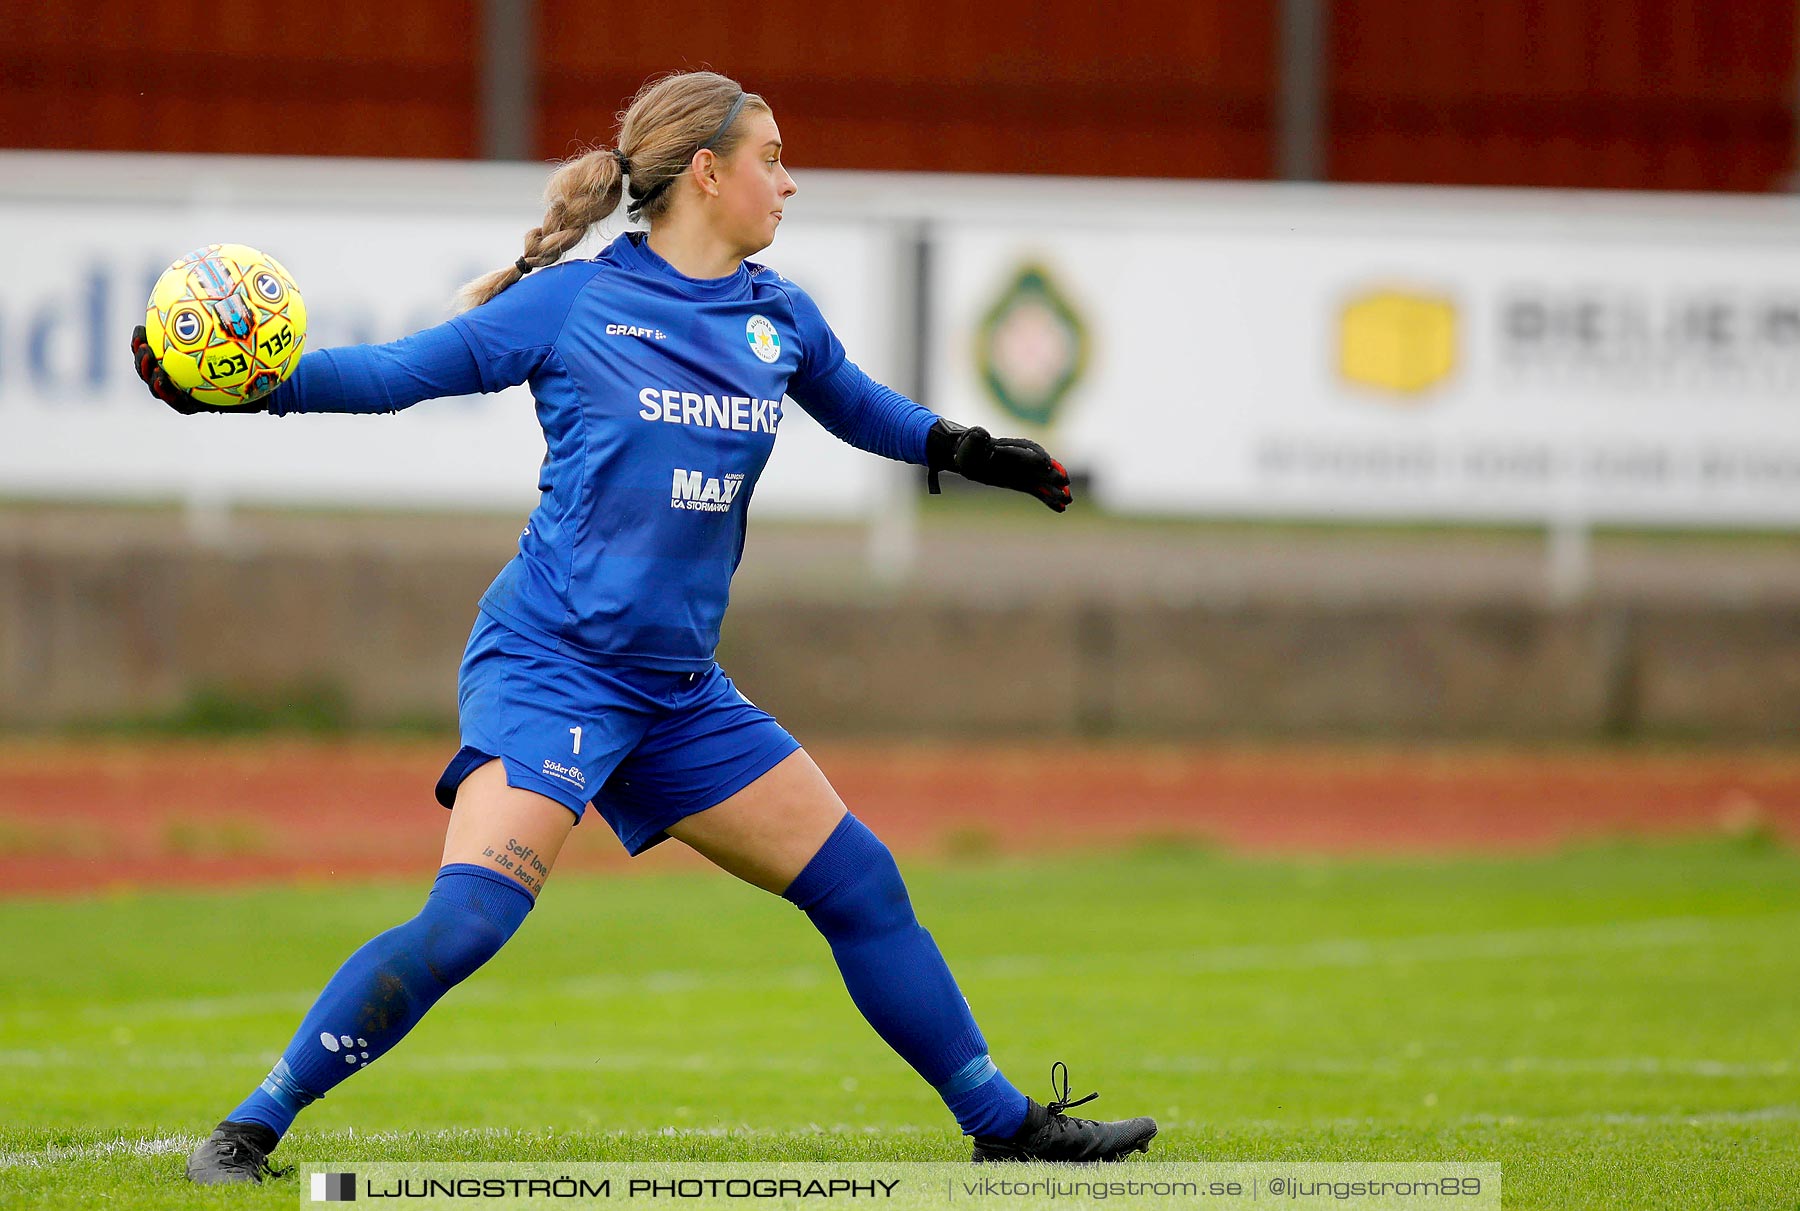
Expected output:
(92, 636)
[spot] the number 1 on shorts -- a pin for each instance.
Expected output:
(576, 732)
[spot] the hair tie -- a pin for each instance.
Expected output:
(523, 266)
(624, 164)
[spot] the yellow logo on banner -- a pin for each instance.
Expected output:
(1395, 341)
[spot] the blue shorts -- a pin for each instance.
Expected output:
(645, 746)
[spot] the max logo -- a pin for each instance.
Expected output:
(700, 493)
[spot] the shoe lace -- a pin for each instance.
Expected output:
(1062, 1101)
(241, 1154)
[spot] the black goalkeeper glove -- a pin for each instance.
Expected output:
(164, 389)
(1005, 462)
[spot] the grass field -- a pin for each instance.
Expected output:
(1618, 1025)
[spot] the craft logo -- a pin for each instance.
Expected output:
(1397, 341)
(354, 1050)
(765, 342)
(649, 334)
(1031, 346)
(334, 1187)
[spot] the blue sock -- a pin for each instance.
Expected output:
(383, 989)
(853, 892)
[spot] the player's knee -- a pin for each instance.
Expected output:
(852, 887)
(471, 913)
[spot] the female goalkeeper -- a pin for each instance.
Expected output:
(658, 368)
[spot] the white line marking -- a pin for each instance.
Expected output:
(314, 1141)
(179, 1145)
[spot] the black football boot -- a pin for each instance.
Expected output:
(1050, 1135)
(234, 1152)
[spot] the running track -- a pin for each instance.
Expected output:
(77, 818)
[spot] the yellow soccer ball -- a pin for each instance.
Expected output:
(227, 323)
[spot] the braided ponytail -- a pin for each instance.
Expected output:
(581, 192)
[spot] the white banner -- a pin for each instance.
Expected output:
(379, 251)
(1250, 350)
(1320, 354)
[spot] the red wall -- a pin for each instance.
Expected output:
(1676, 94)
(320, 77)
(998, 86)
(1661, 94)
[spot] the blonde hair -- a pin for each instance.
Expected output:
(666, 123)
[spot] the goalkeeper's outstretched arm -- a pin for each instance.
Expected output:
(354, 378)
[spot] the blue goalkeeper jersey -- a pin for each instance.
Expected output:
(660, 398)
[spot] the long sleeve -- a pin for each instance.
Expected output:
(381, 378)
(855, 408)
(852, 406)
(497, 345)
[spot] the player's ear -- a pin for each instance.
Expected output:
(705, 170)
